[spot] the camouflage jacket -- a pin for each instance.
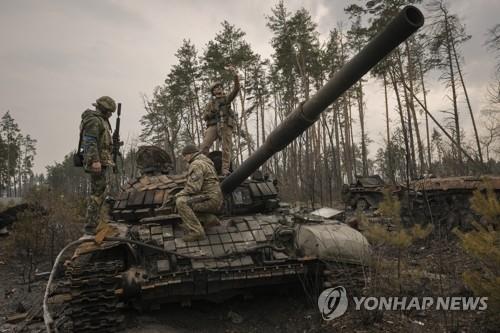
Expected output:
(202, 178)
(96, 139)
(219, 109)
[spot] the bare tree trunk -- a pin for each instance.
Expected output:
(412, 107)
(238, 140)
(336, 120)
(352, 145)
(468, 103)
(364, 158)
(326, 165)
(424, 92)
(347, 145)
(409, 171)
(262, 120)
(388, 132)
(192, 123)
(453, 89)
(443, 130)
(242, 94)
(413, 163)
(257, 127)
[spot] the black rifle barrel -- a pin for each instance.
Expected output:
(119, 113)
(116, 133)
(116, 138)
(407, 21)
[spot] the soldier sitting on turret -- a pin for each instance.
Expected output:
(201, 194)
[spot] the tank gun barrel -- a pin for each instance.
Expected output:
(406, 22)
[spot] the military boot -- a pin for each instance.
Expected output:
(209, 220)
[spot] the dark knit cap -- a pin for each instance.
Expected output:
(189, 149)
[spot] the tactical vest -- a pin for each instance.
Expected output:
(96, 134)
(219, 110)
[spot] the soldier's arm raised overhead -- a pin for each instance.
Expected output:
(236, 87)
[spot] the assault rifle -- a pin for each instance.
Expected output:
(116, 139)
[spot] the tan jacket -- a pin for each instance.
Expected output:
(202, 178)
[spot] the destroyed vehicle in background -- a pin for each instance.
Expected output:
(12, 213)
(140, 258)
(367, 192)
(446, 200)
(443, 201)
(6, 216)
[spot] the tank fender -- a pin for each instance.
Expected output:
(333, 240)
(115, 230)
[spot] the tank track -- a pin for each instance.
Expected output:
(90, 303)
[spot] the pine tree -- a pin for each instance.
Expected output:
(27, 156)
(11, 134)
(163, 119)
(447, 35)
(483, 244)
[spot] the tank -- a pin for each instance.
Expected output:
(139, 258)
(367, 192)
(445, 201)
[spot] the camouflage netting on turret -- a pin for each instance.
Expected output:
(152, 160)
(147, 196)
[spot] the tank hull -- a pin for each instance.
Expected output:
(241, 253)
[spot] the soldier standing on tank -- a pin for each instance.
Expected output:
(220, 119)
(201, 194)
(97, 156)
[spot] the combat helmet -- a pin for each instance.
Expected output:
(105, 103)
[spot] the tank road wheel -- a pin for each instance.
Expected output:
(89, 299)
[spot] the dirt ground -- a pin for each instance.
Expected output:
(431, 268)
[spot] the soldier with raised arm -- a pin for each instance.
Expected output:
(220, 119)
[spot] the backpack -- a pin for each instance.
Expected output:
(78, 156)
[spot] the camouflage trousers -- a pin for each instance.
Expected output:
(226, 135)
(187, 206)
(99, 186)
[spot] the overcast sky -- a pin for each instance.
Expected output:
(57, 57)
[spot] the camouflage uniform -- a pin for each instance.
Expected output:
(220, 122)
(201, 194)
(97, 147)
